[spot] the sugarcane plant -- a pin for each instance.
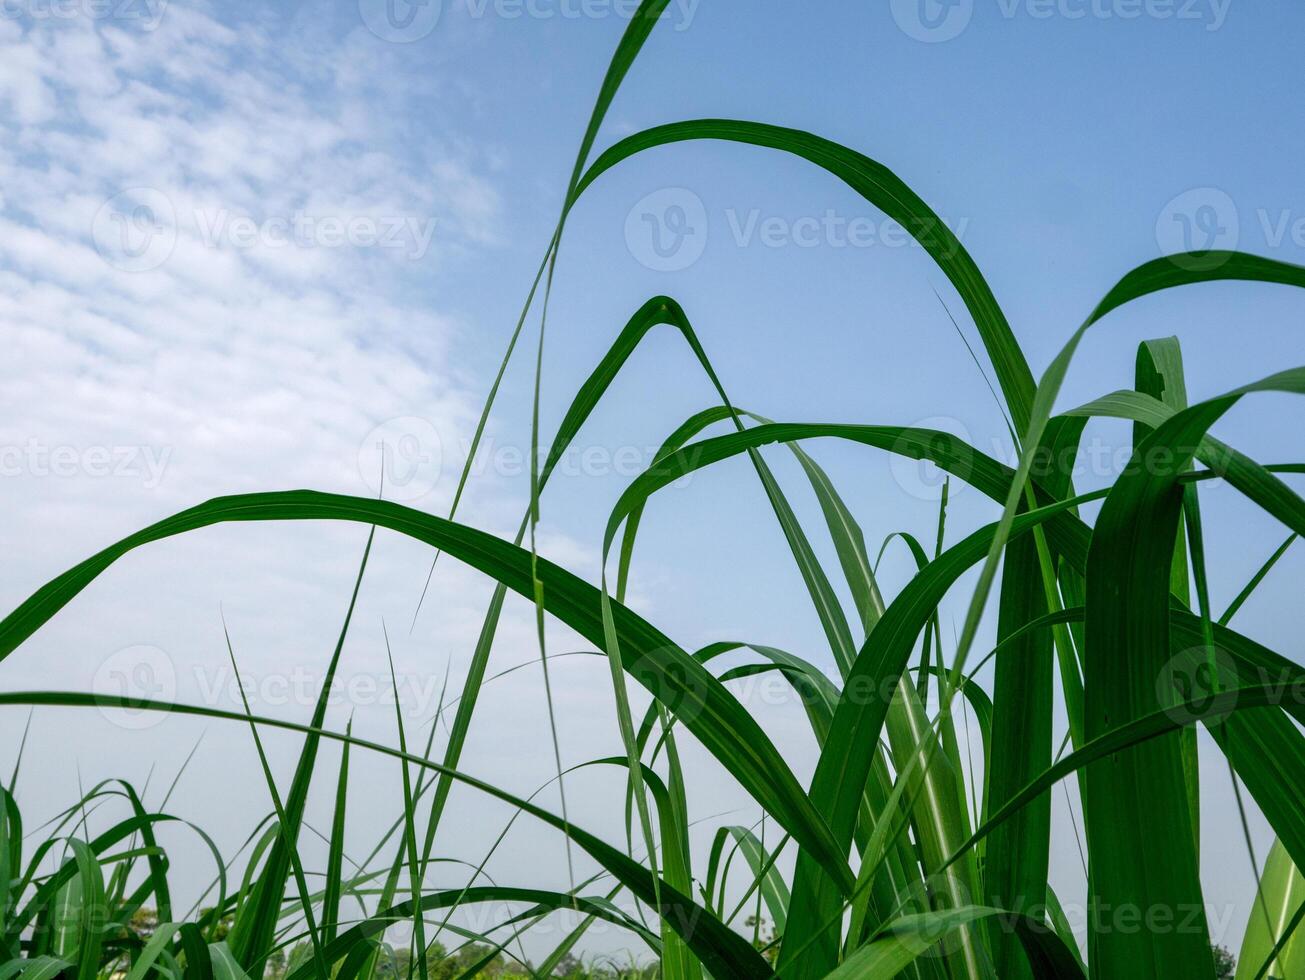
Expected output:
(903, 862)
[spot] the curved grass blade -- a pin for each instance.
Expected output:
(722, 951)
(250, 933)
(882, 188)
(91, 914)
(911, 937)
(1263, 946)
(335, 854)
(283, 825)
(709, 711)
(1256, 579)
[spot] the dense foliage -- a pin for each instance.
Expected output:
(903, 865)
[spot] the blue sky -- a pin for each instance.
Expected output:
(240, 244)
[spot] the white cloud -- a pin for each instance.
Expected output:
(227, 365)
(258, 352)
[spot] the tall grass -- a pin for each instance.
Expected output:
(902, 864)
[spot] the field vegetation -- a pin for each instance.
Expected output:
(1109, 654)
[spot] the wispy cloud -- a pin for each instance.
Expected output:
(222, 257)
(209, 242)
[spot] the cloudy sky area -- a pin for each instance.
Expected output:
(241, 246)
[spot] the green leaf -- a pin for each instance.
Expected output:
(251, 934)
(335, 854)
(910, 937)
(886, 191)
(705, 708)
(1283, 890)
(723, 952)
